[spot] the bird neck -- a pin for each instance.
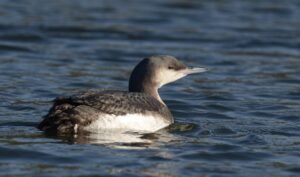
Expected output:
(142, 79)
(145, 87)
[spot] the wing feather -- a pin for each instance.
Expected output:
(85, 107)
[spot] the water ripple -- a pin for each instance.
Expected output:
(239, 119)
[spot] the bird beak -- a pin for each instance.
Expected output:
(188, 71)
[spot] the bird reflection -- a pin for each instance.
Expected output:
(126, 139)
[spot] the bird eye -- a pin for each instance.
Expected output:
(170, 67)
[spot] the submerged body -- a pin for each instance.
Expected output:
(140, 109)
(106, 110)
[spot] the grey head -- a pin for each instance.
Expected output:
(155, 71)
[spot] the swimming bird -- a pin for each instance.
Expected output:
(140, 109)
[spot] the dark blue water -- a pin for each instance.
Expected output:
(239, 119)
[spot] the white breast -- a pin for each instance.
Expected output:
(129, 122)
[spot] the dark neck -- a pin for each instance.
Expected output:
(147, 88)
(142, 80)
(144, 87)
(139, 83)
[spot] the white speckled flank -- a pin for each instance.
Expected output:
(129, 122)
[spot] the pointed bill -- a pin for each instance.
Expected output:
(194, 70)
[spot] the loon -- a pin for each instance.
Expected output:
(140, 109)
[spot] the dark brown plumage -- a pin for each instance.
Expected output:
(84, 108)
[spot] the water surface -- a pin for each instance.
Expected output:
(239, 119)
